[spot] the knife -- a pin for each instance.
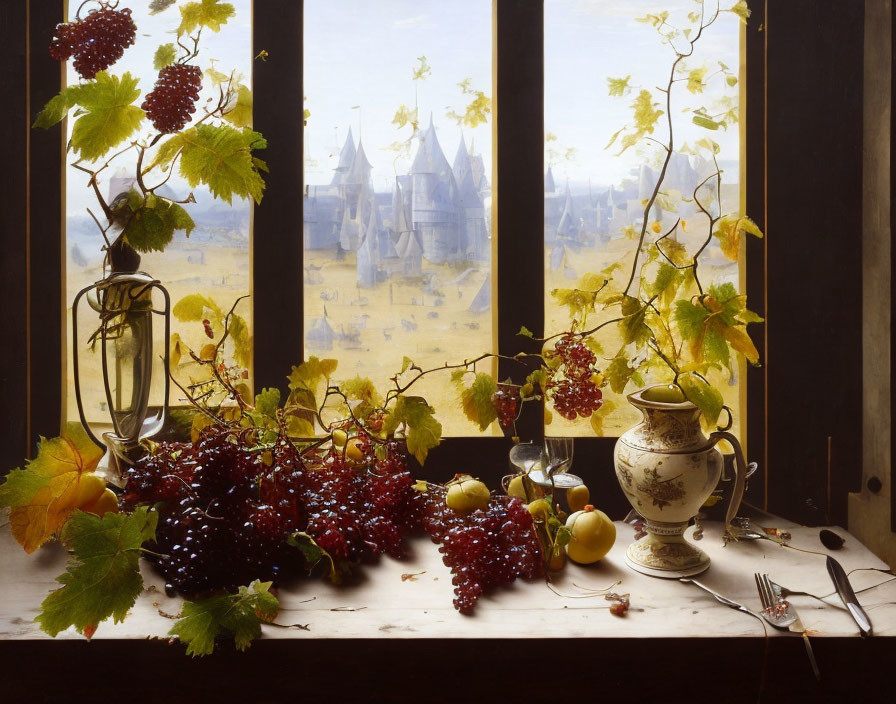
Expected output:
(848, 596)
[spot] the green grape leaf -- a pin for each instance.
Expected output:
(579, 302)
(103, 577)
(361, 389)
(729, 231)
(539, 377)
(618, 86)
(152, 225)
(691, 319)
(192, 308)
(313, 554)
(239, 615)
(477, 400)
(618, 372)
(242, 340)
(219, 157)
(699, 392)
(164, 56)
(310, 373)
(666, 284)
(58, 107)
(741, 9)
(715, 348)
(696, 80)
(239, 113)
(268, 401)
(423, 431)
(526, 332)
(632, 326)
(422, 70)
(646, 115)
(406, 363)
(204, 13)
(109, 116)
(731, 80)
(748, 316)
(655, 20)
(457, 376)
(592, 344)
(706, 122)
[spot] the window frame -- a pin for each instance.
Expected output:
(829, 58)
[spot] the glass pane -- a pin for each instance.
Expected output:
(596, 193)
(212, 261)
(397, 199)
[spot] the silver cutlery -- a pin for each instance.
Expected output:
(848, 596)
(721, 599)
(780, 613)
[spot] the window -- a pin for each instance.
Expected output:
(213, 260)
(397, 202)
(599, 57)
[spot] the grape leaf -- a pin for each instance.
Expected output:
(204, 13)
(618, 86)
(618, 372)
(103, 577)
(43, 495)
(242, 339)
(526, 332)
(58, 107)
(406, 363)
(239, 113)
(729, 230)
(646, 115)
(219, 157)
(239, 615)
(109, 116)
(706, 122)
(668, 279)
(362, 389)
(632, 326)
(310, 373)
(152, 225)
(699, 392)
(741, 9)
(313, 554)
(268, 402)
(695, 80)
(477, 400)
(598, 417)
(164, 56)
(423, 431)
(192, 308)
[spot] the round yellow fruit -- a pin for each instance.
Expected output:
(90, 488)
(668, 393)
(578, 497)
(540, 509)
(517, 489)
(467, 496)
(339, 438)
(107, 502)
(353, 452)
(593, 534)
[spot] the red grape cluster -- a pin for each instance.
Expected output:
(173, 98)
(506, 402)
(225, 512)
(485, 549)
(575, 394)
(96, 42)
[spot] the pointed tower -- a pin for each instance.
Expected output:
(436, 212)
(569, 224)
(346, 157)
(474, 235)
(368, 253)
(549, 186)
(407, 245)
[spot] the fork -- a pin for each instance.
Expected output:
(780, 614)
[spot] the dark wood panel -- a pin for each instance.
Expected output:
(813, 264)
(13, 229)
(45, 242)
(277, 230)
(756, 251)
(892, 270)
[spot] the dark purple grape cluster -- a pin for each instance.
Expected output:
(226, 510)
(173, 98)
(574, 393)
(506, 402)
(96, 42)
(485, 549)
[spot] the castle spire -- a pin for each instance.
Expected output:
(346, 157)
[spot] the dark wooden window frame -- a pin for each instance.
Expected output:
(803, 126)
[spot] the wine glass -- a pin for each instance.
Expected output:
(558, 454)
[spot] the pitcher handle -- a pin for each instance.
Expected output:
(740, 475)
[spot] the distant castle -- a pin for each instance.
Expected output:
(436, 212)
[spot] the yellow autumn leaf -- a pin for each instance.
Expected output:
(656, 227)
(740, 341)
(62, 474)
